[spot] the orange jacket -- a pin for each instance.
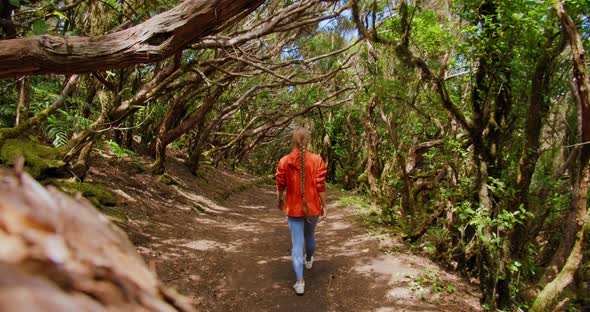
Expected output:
(288, 177)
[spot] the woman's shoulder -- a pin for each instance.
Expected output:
(315, 157)
(284, 159)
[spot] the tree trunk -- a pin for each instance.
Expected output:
(423, 227)
(153, 40)
(349, 166)
(537, 114)
(91, 90)
(82, 165)
(194, 159)
(24, 100)
(552, 290)
(174, 115)
(577, 220)
(491, 260)
(202, 133)
(148, 91)
(407, 196)
(61, 254)
(373, 165)
(88, 136)
(194, 119)
(129, 132)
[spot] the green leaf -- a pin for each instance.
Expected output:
(16, 3)
(39, 27)
(517, 16)
(60, 14)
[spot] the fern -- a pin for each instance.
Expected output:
(62, 126)
(57, 129)
(118, 150)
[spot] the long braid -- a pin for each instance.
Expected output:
(302, 176)
(301, 138)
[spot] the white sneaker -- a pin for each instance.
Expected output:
(299, 288)
(308, 264)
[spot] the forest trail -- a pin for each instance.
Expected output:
(221, 241)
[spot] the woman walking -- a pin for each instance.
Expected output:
(302, 175)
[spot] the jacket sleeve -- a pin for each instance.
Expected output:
(321, 176)
(280, 176)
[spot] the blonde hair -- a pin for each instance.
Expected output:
(302, 138)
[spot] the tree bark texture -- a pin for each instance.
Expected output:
(24, 100)
(80, 168)
(373, 165)
(574, 229)
(153, 40)
(113, 118)
(537, 114)
(167, 135)
(352, 168)
(61, 254)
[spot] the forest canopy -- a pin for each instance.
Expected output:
(466, 121)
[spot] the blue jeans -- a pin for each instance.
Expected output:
(301, 232)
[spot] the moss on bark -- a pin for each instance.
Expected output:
(39, 159)
(99, 195)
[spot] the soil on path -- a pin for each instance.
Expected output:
(220, 240)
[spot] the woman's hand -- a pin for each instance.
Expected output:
(323, 206)
(306, 211)
(324, 215)
(281, 204)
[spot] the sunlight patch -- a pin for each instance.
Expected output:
(403, 293)
(201, 200)
(337, 225)
(386, 265)
(252, 207)
(202, 244)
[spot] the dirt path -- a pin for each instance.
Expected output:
(230, 250)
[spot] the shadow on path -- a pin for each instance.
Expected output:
(235, 254)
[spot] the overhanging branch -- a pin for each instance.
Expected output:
(153, 40)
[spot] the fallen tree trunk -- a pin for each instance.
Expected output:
(153, 40)
(60, 254)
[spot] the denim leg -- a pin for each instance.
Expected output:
(296, 228)
(309, 233)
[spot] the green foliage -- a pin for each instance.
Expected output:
(488, 47)
(139, 165)
(118, 150)
(167, 179)
(428, 33)
(61, 126)
(57, 130)
(484, 222)
(429, 282)
(39, 27)
(8, 99)
(368, 212)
